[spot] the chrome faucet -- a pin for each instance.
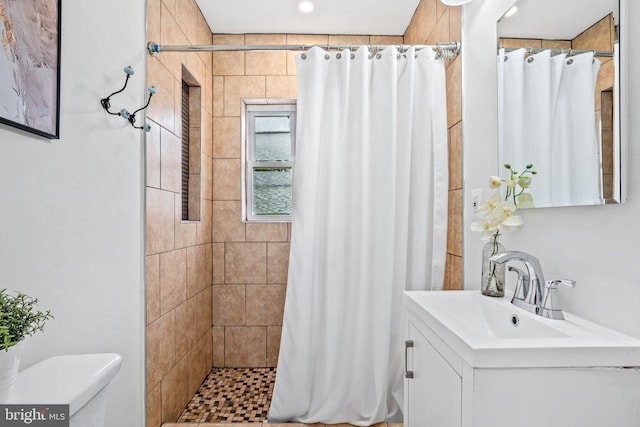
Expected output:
(532, 292)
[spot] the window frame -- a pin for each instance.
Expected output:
(250, 108)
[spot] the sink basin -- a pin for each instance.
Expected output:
(492, 332)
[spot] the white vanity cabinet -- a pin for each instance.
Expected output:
(450, 386)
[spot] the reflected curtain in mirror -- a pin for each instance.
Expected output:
(545, 116)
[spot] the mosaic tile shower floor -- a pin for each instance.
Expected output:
(232, 395)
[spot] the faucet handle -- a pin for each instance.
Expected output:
(553, 284)
(550, 307)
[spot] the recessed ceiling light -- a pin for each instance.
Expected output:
(306, 7)
(511, 12)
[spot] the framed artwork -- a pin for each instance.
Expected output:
(30, 65)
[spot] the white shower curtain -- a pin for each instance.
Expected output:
(369, 221)
(546, 116)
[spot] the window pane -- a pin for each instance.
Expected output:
(273, 138)
(272, 191)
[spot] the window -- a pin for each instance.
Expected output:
(268, 131)
(191, 164)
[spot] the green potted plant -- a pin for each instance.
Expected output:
(19, 318)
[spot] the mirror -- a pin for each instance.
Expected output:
(558, 104)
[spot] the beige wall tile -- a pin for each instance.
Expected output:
(235, 39)
(258, 39)
(277, 262)
(217, 333)
(349, 40)
(171, 5)
(454, 92)
(171, 34)
(237, 87)
(383, 40)
(159, 226)
(154, 402)
(307, 39)
(198, 270)
(197, 69)
(152, 143)
(456, 278)
(245, 263)
(218, 262)
(161, 110)
(265, 304)
(229, 305)
(266, 63)
(207, 177)
(207, 103)
(425, 20)
(170, 161)
(282, 87)
(152, 285)
(161, 350)
(455, 23)
(177, 106)
(455, 157)
(226, 137)
(187, 19)
(186, 317)
(175, 393)
(205, 312)
(153, 20)
(246, 346)
(267, 232)
(204, 226)
(185, 232)
(534, 43)
(440, 8)
(556, 44)
(199, 361)
(273, 345)
(454, 231)
(226, 179)
(218, 96)
(229, 63)
(227, 226)
(597, 37)
(173, 279)
(206, 133)
(440, 33)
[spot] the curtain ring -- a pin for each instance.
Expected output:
(303, 56)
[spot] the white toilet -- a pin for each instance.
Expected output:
(81, 381)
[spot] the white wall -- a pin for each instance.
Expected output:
(598, 246)
(71, 210)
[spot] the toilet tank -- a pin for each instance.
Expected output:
(80, 380)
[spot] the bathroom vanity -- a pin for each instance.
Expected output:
(476, 361)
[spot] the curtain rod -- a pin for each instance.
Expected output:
(447, 50)
(531, 50)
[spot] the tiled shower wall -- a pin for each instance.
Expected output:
(247, 263)
(432, 23)
(179, 254)
(250, 260)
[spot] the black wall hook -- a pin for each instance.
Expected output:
(124, 113)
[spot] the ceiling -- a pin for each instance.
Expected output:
(555, 19)
(374, 17)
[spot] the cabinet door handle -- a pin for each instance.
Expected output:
(407, 344)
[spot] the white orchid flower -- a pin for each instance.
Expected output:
(495, 181)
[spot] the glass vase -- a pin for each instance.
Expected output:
(492, 273)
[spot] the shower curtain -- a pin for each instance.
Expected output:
(546, 116)
(369, 221)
